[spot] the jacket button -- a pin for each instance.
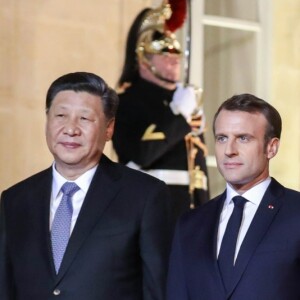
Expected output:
(56, 292)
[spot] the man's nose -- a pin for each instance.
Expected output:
(71, 127)
(231, 148)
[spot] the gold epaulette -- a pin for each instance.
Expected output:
(122, 88)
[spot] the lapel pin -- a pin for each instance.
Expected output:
(271, 206)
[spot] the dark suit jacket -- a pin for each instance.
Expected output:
(118, 248)
(268, 264)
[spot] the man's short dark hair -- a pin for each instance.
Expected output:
(252, 104)
(85, 82)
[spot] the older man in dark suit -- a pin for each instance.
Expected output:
(86, 228)
(245, 243)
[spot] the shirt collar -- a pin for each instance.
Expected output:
(82, 181)
(254, 195)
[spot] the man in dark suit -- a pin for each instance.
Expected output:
(245, 243)
(109, 238)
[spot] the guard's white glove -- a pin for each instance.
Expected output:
(184, 102)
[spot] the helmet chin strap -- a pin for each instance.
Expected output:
(153, 70)
(158, 75)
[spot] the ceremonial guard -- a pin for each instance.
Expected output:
(160, 122)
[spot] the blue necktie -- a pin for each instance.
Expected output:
(60, 231)
(228, 245)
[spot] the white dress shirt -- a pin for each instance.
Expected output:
(254, 197)
(83, 182)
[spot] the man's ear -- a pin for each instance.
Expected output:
(272, 147)
(110, 129)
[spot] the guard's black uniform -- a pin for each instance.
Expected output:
(150, 135)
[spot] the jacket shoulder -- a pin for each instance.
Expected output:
(127, 175)
(204, 212)
(31, 181)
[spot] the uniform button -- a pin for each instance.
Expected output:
(56, 292)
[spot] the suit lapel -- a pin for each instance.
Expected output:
(212, 249)
(267, 210)
(39, 199)
(102, 190)
(215, 235)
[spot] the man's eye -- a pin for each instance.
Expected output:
(84, 119)
(221, 139)
(60, 115)
(244, 138)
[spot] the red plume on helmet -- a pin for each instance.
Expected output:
(179, 11)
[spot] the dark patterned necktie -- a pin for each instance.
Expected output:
(228, 245)
(60, 231)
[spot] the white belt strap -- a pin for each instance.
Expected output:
(172, 177)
